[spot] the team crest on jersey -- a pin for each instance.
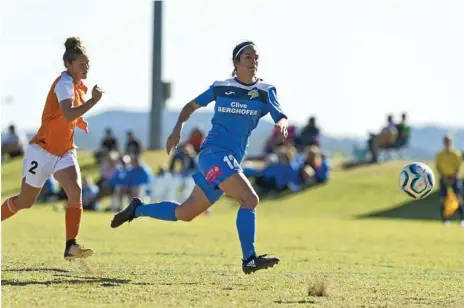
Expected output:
(253, 93)
(213, 173)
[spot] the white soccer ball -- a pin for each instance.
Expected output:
(417, 180)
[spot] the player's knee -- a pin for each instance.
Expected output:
(24, 202)
(75, 194)
(251, 201)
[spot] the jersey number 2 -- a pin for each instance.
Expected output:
(34, 166)
(231, 161)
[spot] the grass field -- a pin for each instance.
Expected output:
(358, 235)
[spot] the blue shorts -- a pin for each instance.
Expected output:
(215, 165)
(456, 186)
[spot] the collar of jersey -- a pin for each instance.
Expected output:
(80, 85)
(246, 84)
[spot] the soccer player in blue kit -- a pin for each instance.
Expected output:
(241, 102)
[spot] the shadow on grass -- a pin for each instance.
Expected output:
(64, 279)
(105, 282)
(355, 164)
(277, 195)
(304, 301)
(425, 209)
(102, 281)
(55, 270)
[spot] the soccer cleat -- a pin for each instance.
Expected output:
(256, 263)
(446, 223)
(126, 215)
(76, 251)
(462, 224)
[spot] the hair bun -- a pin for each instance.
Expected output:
(72, 42)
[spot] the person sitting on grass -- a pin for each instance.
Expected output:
(13, 143)
(316, 168)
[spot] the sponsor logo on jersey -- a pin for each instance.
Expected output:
(238, 108)
(213, 173)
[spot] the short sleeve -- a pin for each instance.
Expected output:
(206, 97)
(274, 106)
(64, 89)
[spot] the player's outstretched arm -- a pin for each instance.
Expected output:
(71, 113)
(186, 112)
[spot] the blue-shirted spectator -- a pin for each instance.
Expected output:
(316, 168)
(50, 191)
(119, 183)
(139, 176)
(279, 174)
(310, 135)
(89, 195)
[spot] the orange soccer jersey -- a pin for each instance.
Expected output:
(55, 135)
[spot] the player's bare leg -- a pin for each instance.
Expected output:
(239, 188)
(26, 198)
(70, 179)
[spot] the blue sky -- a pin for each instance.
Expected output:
(347, 62)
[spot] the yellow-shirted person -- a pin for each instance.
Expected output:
(449, 162)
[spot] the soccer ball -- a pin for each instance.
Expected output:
(417, 180)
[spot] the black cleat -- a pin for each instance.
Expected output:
(256, 263)
(126, 215)
(76, 251)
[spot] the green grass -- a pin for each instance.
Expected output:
(359, 235)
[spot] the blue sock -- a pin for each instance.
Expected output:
(246, 226)
(164, 210)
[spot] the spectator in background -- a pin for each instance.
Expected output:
(50, 191)
(195, 139)
(161, 184)
(403, 132)
(89, 195)
(315, 169)
(449, 162)
(189, 167)
(275, 140)
(108, 168)
(193, 142)
(119, 185)
(139, 176)
(310, 135)
(13, 143)
(278, 175)
(133, 145)
(108, 144)
(385, 139)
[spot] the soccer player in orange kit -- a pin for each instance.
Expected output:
(52, 149)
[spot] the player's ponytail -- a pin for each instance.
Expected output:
(74, 48)
(237, 52)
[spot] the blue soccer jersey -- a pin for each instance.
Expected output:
(237, 112)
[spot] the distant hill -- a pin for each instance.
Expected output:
(139, 123)
(425, 141)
